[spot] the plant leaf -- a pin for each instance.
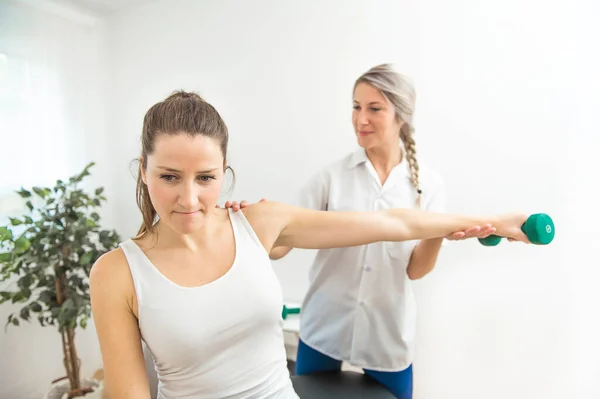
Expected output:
(22, 244)
(15, 221)
(40, 192)
(18, 297)
(47, 297)
(24, 313)
(25, 281)
(5, 234)
(24, 193)
(86, 258)
(35, 307)
(5, 296)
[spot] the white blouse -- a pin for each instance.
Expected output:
(359, 307)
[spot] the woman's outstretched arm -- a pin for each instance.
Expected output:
(290, 226)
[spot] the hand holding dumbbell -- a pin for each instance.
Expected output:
(539, 229)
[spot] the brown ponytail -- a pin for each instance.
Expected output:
(144, 203)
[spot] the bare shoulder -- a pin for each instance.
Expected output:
(268, 219)
(111, 266)
(110, 275)
(268, 212)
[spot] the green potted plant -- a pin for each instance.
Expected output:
(46, 256)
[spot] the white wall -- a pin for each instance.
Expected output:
(62, 131)
(582, 165)
(496, 89)
(501, 95)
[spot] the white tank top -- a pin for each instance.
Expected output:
(222, 340)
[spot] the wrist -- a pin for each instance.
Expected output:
(498, 222)
(504, 224)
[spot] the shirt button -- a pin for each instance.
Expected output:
(368, 268)
(362, 303)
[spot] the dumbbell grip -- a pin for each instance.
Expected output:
(287, 311)
(539, 229)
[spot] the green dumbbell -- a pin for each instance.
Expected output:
(287, 311)
(539, 229)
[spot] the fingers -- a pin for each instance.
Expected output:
(480, 231)
(232, 205)
(468, 233)
(459, 235)
(485, 231)
(236, 206)
(473, 232)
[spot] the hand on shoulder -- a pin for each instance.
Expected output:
(236, 206)
(256, 212)
(267, 218)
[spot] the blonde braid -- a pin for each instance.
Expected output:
(406, 135)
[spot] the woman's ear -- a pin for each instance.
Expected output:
(400, 124)
(143, 171)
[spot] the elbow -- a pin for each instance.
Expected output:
(279, 252)
(417, 273)
(414, 276)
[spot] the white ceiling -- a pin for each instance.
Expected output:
(95, 8)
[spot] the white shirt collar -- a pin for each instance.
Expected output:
(359, 157)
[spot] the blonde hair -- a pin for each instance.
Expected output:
(400, 92)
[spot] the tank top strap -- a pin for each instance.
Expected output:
(140, 268)
(243, 229)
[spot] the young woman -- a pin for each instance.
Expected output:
(196, 283)
(359, 307)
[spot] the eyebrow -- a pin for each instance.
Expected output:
(178, 171)
(371, 103)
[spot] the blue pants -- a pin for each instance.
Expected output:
(308, 360)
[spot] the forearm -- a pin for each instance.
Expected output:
(413, 224)
(424, 258)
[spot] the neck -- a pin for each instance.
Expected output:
(167, 238)
(385, 158)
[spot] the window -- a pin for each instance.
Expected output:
(32, 137)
